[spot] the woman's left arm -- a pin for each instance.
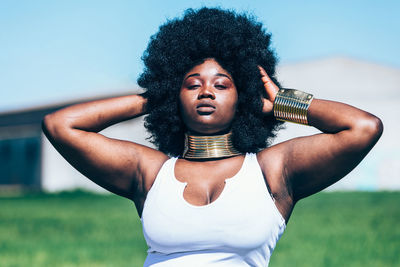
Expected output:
(315, 162)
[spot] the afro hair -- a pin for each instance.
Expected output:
(238, 43)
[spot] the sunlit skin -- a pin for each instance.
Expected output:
(208, 99)
(293, 169)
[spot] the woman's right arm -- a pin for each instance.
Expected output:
(122, 167)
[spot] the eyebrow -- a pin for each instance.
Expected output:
(218, 74)
(223, 75)
(191, 75)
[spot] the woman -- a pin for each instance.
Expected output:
(214, 193)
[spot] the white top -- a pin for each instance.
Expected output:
(240, 228)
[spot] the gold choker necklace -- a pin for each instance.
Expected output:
(212, 146)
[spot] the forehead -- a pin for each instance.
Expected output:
(209, 67)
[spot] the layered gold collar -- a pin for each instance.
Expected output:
(209, 146)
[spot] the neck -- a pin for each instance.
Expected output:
(209, 146)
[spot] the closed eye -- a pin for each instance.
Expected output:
(193, 86)
(219, 86)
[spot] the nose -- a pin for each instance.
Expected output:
(206, 92)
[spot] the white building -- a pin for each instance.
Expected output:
(369, 86)
(27, 157)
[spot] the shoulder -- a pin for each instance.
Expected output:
(149, 165)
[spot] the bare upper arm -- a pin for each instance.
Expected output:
(122, 167)
(305, 165)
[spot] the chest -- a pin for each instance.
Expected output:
(242, 218)
(205, 181)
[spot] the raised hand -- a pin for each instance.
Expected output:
(271, 89)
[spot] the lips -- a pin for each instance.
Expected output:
(205, 108)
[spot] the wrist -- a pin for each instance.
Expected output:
(292, 105)
(142, 103)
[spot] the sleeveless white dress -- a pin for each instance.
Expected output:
(240, 228)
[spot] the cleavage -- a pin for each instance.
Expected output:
(205, 181)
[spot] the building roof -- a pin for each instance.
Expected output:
(34, 115)
(342, 78)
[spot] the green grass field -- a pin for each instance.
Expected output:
(81, 229)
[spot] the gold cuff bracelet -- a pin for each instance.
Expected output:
(292, 105)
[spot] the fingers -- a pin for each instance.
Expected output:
(268, 106)
(270, 87)
(264, 76)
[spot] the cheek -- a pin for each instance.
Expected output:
(228, 112)
(232, 103)
(185, 107)
(234, 107)
(182, 99)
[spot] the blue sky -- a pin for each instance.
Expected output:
(53, 51)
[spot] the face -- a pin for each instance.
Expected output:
(208, 99)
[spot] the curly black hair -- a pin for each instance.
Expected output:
(238, 43)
